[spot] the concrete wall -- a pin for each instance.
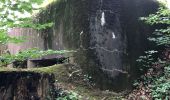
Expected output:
(26, 86)
(31, 37)
(106, 33)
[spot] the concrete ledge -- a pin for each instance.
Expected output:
(25, 86)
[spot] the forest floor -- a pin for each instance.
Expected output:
(70, 78)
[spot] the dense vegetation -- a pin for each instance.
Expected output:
(155, 65)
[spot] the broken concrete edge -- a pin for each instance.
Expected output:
(34, 86)
(42, 70)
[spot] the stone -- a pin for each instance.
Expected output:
(106, 34)
(25, 86)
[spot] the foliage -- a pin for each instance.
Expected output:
(162, 20)
(4, 38)
(147, 60)
(69, 96)
(18, 13)
(157, 74)
(161, 85)
(28, 54)
(160, 17)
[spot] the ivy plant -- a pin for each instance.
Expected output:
(161, 19)
(158, 81)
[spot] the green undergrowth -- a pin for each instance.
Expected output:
(48, 70)
(79, 84)
(96, 94)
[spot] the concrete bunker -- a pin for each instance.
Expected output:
(120, 31)
(47, 60)
(44, 61)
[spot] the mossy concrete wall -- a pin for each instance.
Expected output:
(16, 85)
(107, 35)
(31, 37)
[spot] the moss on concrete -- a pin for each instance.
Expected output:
(61, 73)
(4, 69)
(47, 70)
(18, 84)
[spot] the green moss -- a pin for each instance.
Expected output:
(47, 70)
(4, 69)
(86, 93)
(61, 73)
(66, 14)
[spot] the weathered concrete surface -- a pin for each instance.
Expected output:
(31, 37)
(106, 33)
(44, 61)
(3, 49)
(25, 86)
